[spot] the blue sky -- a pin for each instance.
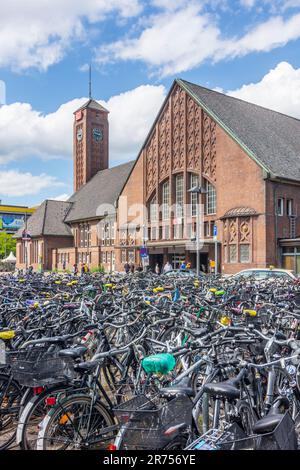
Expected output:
(247, 48)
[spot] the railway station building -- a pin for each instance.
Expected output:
(244, 159)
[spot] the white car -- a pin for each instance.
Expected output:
(265, 273)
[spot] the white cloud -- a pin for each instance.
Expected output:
(61, 197)
(131, 115)
(2, 92)
(174, 42)
(179, 39)
(248, 3)
(279, 90)
(273, 33)
(36, 33)
(25, 132)
(15, 183)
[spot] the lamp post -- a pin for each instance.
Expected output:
(197, 190)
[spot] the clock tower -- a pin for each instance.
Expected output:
(90, 137)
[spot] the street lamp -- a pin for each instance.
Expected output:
(197, 190)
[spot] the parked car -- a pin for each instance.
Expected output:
(265, 273)
(184, 273)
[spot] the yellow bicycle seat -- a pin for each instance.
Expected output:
(6, 335)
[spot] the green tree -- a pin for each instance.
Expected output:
(7, 244)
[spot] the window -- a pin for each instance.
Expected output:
(165, 200)
(210, 198)
(280, 206)
(178, 231)
(206, 229)
(123, 257)
(166, 232)
(194, 181)
(84, 235)
(179, 196)
(289, 207)
(232, 254)
(244, 253)
(153, 210)
(153, 233)
(131, 257)
(112, 232)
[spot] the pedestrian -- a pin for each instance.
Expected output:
(157, 269)
(126, 267)
(82, 268)
(64, 265)
(75, 269)
(183, 265)
(188, 266)
(132, 268)
(167, 267)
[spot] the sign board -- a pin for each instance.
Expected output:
(144, 253)
(215, 233)
(11, 222)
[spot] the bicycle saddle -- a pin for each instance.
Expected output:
(181, 388)
(267, 424)
(73, 353)
(86, 366)
(227, 389)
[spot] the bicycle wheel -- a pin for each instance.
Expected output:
(76, 424)
(10, 399)
(33, 414)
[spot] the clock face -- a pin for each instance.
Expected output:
(79, 134)
(97, 134)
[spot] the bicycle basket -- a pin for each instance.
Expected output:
(145, 422)
(283, 437)
(233, 438)
(38, 366)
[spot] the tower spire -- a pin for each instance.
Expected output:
(90, 82)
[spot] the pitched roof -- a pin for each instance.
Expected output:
(239, 212)
(94, 105)
(272, 139)
(102, 190)
(48, 219)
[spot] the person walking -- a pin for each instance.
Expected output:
(157, 269)
(183, 265)
(132, 268)
(75, 269)
(126, 268)
(167, 267)
(64, 265)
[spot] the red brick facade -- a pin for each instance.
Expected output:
(184, 145)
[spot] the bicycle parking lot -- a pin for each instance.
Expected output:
(143, 362)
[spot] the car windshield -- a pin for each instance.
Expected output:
(263, 274)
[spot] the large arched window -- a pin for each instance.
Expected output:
(194, 181)
(179, 187)
(166, 200)
(153, 210)
(211, 199)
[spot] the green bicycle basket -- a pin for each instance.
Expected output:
(161, 363)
